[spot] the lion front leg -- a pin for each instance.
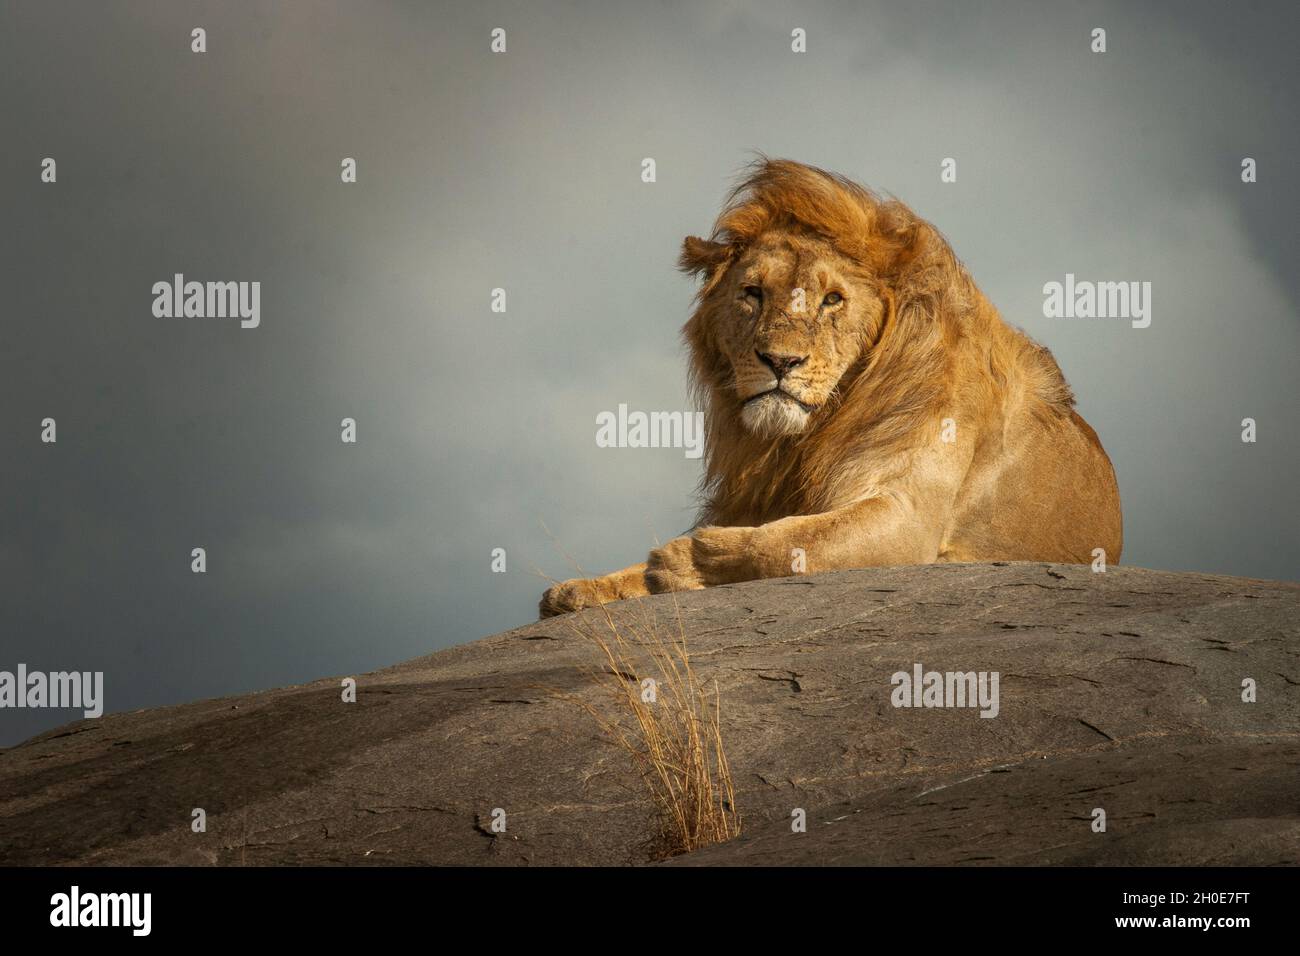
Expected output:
(870, 533)
(578, 593)
(705, 558)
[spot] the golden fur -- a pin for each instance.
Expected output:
(864, 404)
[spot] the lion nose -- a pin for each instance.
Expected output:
(781, 364)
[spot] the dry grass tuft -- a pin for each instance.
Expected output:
(671, 729)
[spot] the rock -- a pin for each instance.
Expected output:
(1120, 691)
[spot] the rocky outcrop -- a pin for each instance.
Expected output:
(1120, 691)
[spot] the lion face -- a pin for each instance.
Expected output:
(791, 315)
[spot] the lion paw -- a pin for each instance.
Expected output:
(573, 595)
(709, 557)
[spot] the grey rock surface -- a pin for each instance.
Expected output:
(1119, 690)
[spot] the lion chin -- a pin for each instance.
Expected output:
(772, 415)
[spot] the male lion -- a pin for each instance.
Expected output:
(864, 405)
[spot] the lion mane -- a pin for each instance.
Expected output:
(908, 379)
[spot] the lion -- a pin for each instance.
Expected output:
(865, 405)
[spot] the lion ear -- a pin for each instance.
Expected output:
(913, 244)
(702, 255)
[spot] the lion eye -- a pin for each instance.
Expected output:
(832, 298)
(753, 292)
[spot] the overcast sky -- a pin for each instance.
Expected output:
(522, 171)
